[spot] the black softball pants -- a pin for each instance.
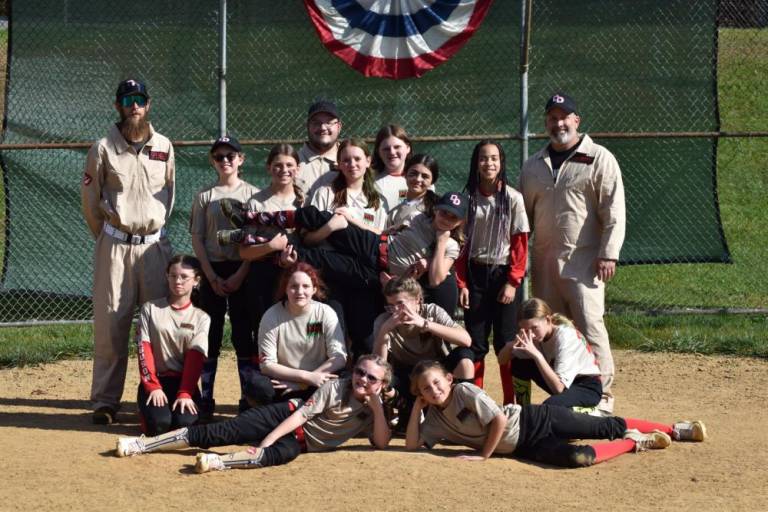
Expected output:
(545, 431)
(250, 427)
(159, 420)
(485, 313)
(585, 391)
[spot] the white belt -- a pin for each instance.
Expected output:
(133, 239)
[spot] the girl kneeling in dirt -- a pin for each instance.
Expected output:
(339, 410)
(550, 351)
(172, 339)
(464, 414)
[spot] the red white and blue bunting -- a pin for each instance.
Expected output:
(395, 38)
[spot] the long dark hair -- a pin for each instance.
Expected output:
(430, 198)
(339, 184)
(290, 151)
(500, 223)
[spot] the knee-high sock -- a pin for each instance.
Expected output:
(208, 378)
(648, 426)
(611, 449)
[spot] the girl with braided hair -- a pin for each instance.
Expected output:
(492, 266)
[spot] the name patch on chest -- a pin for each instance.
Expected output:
(581, 158)
(402, 193)
(314, 328)
(158, 155)
(368, 217)
(191, 327)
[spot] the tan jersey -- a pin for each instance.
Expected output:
(132, 192)
(403, 213)
(301, 342)
(465, 420)
(322, 199)
(207, 218)
(266, 201)
(578, 217)
(568, 353)
(172, 333)
(334, 415)
(417, 241)
(312, 166)
(487, 246)
(407, 345)
(392, 188)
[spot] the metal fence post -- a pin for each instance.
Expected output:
(525, 39)
(222, 68)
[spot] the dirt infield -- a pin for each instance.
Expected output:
(52, 457)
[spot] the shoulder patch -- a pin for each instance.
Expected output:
(463, 415)
(158, 155)
(87, 179)
(582, 158)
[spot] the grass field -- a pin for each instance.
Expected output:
(742, 187)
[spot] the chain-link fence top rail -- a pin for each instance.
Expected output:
(67, 57)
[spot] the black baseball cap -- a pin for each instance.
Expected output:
(453, 202)
(326, 106)
(130, 86)
(227, 140)
(562, 101)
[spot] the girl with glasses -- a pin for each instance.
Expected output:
(224, 288)
(339, 410)
(411, 331)
(172, 342)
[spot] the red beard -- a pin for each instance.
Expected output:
(134, 129)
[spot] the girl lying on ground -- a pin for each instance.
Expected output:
(339, 410)
(464, 414)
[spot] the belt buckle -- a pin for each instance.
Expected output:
(135, 239)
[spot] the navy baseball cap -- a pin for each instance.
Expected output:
(227, 140)
(562, 101)
(453, 202)
(131, 86)
(326, 106)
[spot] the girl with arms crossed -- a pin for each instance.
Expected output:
(464, 414)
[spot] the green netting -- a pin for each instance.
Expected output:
(633, 66)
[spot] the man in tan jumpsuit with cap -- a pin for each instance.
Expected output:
(127, 195)
(317, 157)
(574, 198)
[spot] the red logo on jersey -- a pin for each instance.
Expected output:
(158, 155)
(368, 217)
(582, 158)
(402, 193)
(87, 179)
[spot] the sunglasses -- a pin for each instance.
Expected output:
(220, 158)
(371, 379)
(127, 101)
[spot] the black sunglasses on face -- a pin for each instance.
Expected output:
(220, 158)
(371, 379)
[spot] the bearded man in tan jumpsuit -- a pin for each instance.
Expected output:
(127, 196)
(574, 198)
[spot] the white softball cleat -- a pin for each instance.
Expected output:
(209, 462)
(128, 446)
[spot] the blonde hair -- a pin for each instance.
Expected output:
(420, 369)
(537, 308)
(404, 284)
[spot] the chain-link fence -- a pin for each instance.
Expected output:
(637, 67)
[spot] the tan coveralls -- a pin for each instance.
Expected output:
(133, 193)
(576, 219)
